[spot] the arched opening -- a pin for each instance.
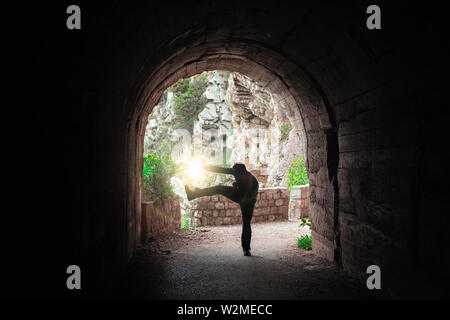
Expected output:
(221, 118)
(292, 89)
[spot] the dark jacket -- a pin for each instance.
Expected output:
(246, 183)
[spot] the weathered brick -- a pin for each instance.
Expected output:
(219, 205)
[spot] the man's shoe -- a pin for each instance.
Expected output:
(246, 252)
(189, 193)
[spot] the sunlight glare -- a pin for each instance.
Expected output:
(195, 169)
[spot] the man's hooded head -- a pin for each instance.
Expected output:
(239, 170)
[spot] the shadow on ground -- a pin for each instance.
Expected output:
(207, 263)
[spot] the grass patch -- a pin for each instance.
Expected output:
(305, 242)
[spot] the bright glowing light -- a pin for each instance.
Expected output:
(195, 169)
(192, 170)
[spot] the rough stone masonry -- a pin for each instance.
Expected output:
(159, 219)
(271, 205)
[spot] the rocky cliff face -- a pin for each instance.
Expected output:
(211, 125)
(214, 124)
(240, 123)
(264, 138)
(159, 127)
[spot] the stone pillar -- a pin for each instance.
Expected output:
(299, 202)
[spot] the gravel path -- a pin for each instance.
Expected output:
(207, 263)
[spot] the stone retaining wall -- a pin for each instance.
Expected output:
(299, 202)
(160, 219)
(271, 205)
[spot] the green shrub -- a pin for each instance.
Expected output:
(305, 242)
(156, 178)
(297, 174)
(185, 222)
(189, 101)
(305, 222)
(285, 129)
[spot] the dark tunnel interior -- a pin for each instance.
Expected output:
(370, 101)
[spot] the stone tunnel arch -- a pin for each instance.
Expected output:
(384, 87)
(345, 80)
(291, 87)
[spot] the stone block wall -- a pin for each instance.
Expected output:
(299, 202)
(160, 219)
(271, 205)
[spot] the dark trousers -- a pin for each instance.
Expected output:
(247, 206)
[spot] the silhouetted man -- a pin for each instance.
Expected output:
(243, 192)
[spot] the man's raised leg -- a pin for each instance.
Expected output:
(231, 193)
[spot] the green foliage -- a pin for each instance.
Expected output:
(297, 175)
(189, 101)
(185, 222)
(305, 242)
(285, 129)
(305, 222)
(156, 178)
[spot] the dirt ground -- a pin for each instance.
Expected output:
(207, 263)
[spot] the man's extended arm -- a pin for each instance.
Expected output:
(219, 169)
